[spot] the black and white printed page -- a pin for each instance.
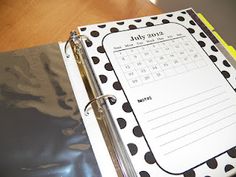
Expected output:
(181, 101)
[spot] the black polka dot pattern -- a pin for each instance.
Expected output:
(122, 123)
(232, 152)
(228, 167)
(149, 158)
(169, 15)
(201, 43)
(83, 29)
(131, 27)
(108, 67)
(114, 30)
(126, 107)
(149, 24)
(133, 149)
(213, 48)
(192, 22)
(225, 74)
(154, 18)
(103, 78)
(180, 18)
(164, 21)
(144, 174)
(212, 163)
(137, 131)
(100, 49)
(117, 85)
(213, 58)
(202, 35)
(94, 33)
(191, 30)
(226, 63)
(138, 20)
(95, 60)
(102, 26)
(120, 23)
(189, 173)
(88, 43)
(111, 101)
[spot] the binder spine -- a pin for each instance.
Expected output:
(113, 141)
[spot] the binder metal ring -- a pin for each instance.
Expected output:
(112, 97)
(65, 47)
(74, 37)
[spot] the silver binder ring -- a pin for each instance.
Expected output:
(65, 48)
(111, 97)
(75, 38)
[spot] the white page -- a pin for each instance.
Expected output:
(182, 102)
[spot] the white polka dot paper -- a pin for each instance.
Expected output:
(137, 72)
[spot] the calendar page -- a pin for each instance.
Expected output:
(179, 98)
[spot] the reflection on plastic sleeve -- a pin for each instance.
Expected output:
(41, 130)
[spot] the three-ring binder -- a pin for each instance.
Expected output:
(107, 125)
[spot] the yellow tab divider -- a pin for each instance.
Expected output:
(229, 48)
(206, 22)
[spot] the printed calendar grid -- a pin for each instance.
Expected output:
(159, 60)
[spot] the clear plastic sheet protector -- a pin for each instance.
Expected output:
(41, 130)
